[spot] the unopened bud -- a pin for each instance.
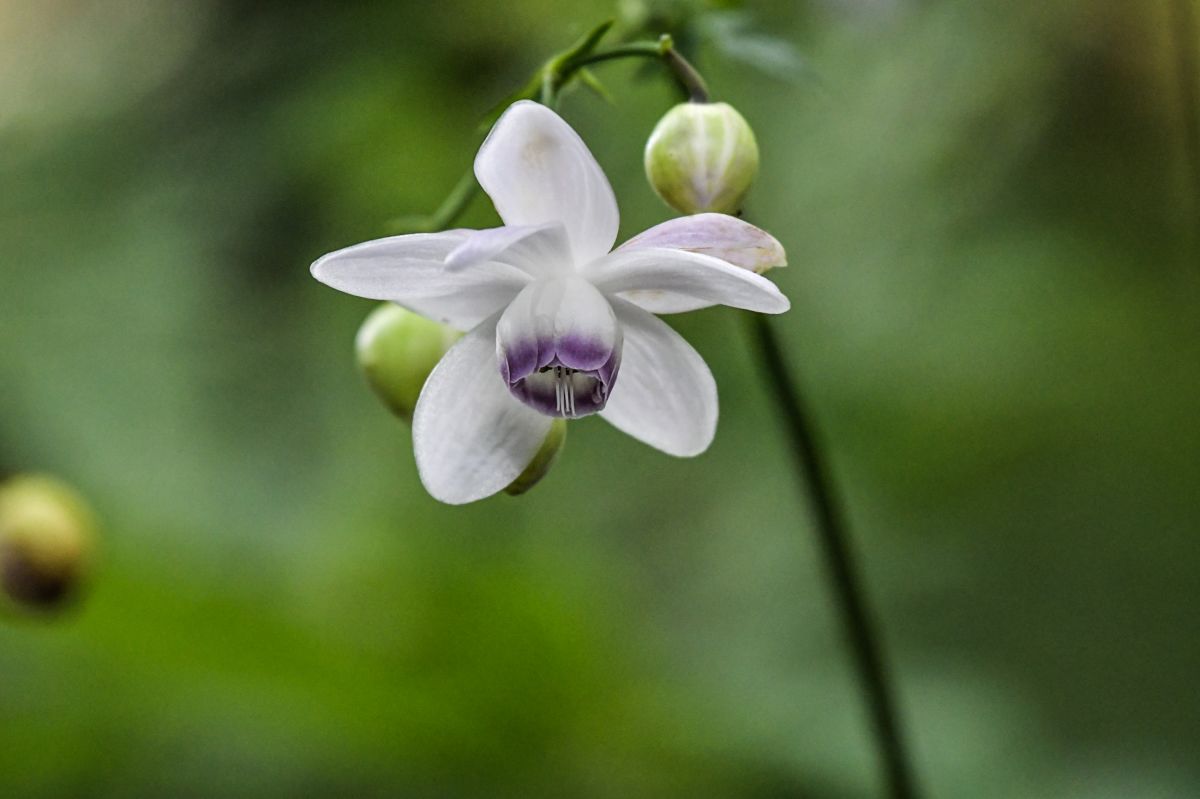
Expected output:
(539, 467)
(47, 534)
(702, 157)
(397, 349)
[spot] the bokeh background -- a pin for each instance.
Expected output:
(991, 215)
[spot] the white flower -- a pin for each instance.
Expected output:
(553, 318)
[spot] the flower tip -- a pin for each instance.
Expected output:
(319, 269)
(767, 254)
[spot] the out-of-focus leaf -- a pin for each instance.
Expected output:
(586, 44)
(733, 33)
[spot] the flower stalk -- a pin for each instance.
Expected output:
(687, 76)
(815, 484)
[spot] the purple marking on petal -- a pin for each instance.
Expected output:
(567, 377)
(608, 370)
(518, 361)
(582, 352)
(573, 351)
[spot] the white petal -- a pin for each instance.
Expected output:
(670, 281)
(665, 395)
(537, 250)
(471, 438)
(536, 169)
(720, 235)
(409, 271)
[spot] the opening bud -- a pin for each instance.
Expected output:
(702, 157)
(47, 535)
(396, 350)
(539, 467)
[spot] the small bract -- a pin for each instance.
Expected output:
(557, 324)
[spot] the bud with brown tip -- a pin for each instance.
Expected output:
(47, 536)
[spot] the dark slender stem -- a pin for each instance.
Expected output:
(687, 75)
(816, 485)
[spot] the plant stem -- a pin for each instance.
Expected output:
(447, 213)
(815, 484)
(687, 76)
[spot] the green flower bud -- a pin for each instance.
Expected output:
(47, 535)
(397, 349)
(702, 157)
(539, 467)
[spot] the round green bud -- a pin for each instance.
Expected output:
(702, 157)
(47, 537)
(397, 349)
(539, 467)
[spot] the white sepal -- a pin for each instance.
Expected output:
(537, 250)
(722, 236)
(409, 271)
(470, 437)
(666, 396)
(671, 281)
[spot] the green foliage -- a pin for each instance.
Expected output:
(995, 290)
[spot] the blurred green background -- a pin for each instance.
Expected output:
(990, 210)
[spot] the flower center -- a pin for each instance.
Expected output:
(575, 392)
(558, 347)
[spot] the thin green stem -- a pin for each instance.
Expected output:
(447, 213)
(686, 75)
(631, 50)
(815, 483)
(456, 201)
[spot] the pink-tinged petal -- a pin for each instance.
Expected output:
(409, 271)
(667, 396)
(558, 347)
(537, 250)
(672, 281)
(470, 437)
(537, 170)
(719, 235)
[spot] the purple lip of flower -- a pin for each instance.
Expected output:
(570, 377)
